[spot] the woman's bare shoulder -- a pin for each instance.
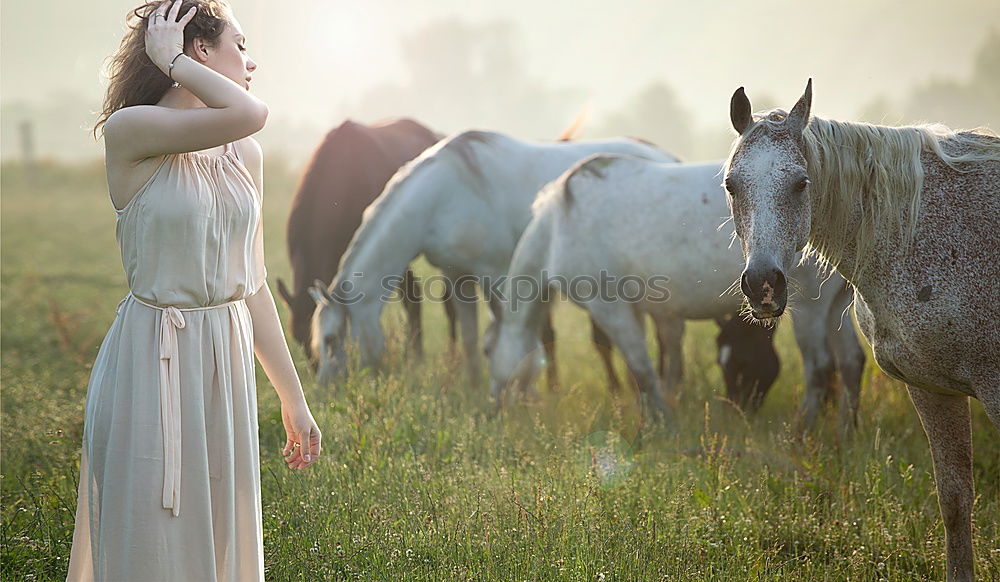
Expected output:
(251, 151)
(250, 146)
(123, 118)
(253, 159)
(120, 128)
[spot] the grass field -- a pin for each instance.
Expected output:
(415, 484)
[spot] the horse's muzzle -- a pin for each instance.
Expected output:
(766, 290)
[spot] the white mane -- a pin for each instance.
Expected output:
(876, 168)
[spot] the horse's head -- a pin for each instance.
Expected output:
(515, 354)
(768, 186)
(329, 334)
(748, 361)
(301, 307)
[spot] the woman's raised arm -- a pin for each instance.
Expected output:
(232, 112)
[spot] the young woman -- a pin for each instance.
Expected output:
(169, 474)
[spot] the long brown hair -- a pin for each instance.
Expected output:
(134, 79)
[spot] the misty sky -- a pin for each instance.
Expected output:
(318, 58)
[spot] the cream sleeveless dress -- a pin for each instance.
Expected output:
(169, 473)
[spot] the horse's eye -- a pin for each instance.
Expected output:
(801, 185)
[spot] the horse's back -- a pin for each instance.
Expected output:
(646, 186)
(577, 150)
(345, 174)
(633, 217)
(402, 139)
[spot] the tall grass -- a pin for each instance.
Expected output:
(416, 483)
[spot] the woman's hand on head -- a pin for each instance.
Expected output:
(303, 442)
(177, 123)
(165, 33)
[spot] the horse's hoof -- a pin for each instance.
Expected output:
(531, 400)
(530, 397)
(658, 412)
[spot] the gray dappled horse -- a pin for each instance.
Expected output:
(655, 227)
(909, 216)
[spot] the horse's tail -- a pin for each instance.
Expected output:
(570, 133)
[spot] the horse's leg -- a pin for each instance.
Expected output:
(622, 325)
(849, 355)
(465, 311)
(411, 302)
(496, 307)
(988, 393)
(603, 344)
(448, 299)
(817, 361)
(661, 351)
(948, 424)
(670, 337)
(549, 343)
(492, 326)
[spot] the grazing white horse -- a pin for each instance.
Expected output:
(909, 216)
(652, 231)
(463, 204)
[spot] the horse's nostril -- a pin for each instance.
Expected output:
(745, 285)
(779, 283)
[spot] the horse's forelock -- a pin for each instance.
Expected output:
(771, 124)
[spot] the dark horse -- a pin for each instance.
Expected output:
(748, 360)
(346, 173)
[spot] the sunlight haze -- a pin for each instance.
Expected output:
(528, 68)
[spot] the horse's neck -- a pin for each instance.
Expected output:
(836, 225)
(822, 231)
(524, 314)
(861, 270)
(524, 307)
(385, 245)
(318, 259)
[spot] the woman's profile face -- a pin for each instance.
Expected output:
(229, 56)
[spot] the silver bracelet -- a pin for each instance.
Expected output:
(170, 67)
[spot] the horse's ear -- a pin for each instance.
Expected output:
(285, 294)
(319, 292)
(316, 294)
(739, 111)
(798, 119)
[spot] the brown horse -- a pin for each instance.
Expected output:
(346, 173)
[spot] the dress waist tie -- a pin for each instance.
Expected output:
(170, 396)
